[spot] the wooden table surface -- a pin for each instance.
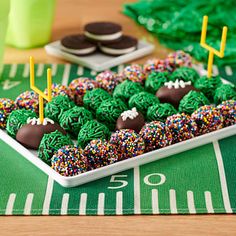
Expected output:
(70, 17)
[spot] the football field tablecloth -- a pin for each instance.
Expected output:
(201, 180)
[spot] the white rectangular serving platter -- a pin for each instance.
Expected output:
(119, 166)
(99, 61)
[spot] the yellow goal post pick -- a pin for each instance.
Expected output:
(41, 94)
(212, 51)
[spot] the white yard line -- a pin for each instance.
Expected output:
(228, 70)
(28, 203)
(101, 203)
(223, 182)
(66, 74)
(10, 204)
(40, 70)
(54, 69)
(208, 201)
(83, 204)
(26, 70)
(173, 205)
(136, 191)
(48, 196)
(155, 203)
(215, 70)
(93, 72)
(191, 204)
(13, 70)
(64, 203)
(120, 68)
(80, 70)
(119, 203)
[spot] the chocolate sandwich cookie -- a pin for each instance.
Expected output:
(103, 31)
(125, 45)
(77, 44)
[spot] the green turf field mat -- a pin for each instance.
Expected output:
(201, 180)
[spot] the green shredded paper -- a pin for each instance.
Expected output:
(178, 23)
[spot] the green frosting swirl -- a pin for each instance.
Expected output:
(57, 106)
(51, 143)
(155, 80)
(192, 101)
(73, 119)
(142, 101)
(127, 89)
(185, 74)
(224, 92)
(208, 85)
(92, 99)
(17, 119)
(109, 111)
(160, 112)
(92, 130)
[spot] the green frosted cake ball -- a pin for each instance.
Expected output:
(224, 92)
(192, 101)
(92, 99)
(57, 106)
(160, 112)
(109, 111)
(127, 89)
(51, 143)
(73, 119)
(208, 85)
(17, 119)
(142, 101)
(186, 74)
(92, 130)
(155, 80)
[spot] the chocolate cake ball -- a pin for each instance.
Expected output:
(182, 127)
(28, 100)
(185, 73)
(31, 134)
(73, 119)
(127, 89)
(92, 130)
(78, 87)
(173, 92)
(228, 111)
(155, 135)
(134, 73)
(154, 65)
(156, 80)
(208, 86)
(69, 161)
(57, 107)
(93, 99)
(128, 143)
(109, 111)
(6, 107)
(208, 119)
(17, 119)
(51, 143)
(100, 153)
(160, 112)
(142, 101)
(58, 89)
(224, 92)
(192, 101)
(130, 119)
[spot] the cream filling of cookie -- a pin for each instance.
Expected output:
(103, 37)
(79, 51)
(117, 51)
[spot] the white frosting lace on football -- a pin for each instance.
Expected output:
(177, 84)
(131, 114)
(36, 121)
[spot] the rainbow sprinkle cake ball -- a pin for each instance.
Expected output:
(182, 127)
(100, 153)
(180, 58)
(69, 161)
(28, 100)
(78, 87)
(154, 65)
(128, 143)
(208, 119)
(228, 111)
(155, 135)
(108, 80)
(6, 107)
(58, 89)
(134, 73)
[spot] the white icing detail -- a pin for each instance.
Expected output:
(113, 51)
(131, 114)
(36, 121)
(78, 51)
(103, 37)
(177, 84)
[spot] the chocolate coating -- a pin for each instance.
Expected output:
(173, 95)
(102, 28)
(135, 124)
(30, 135)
